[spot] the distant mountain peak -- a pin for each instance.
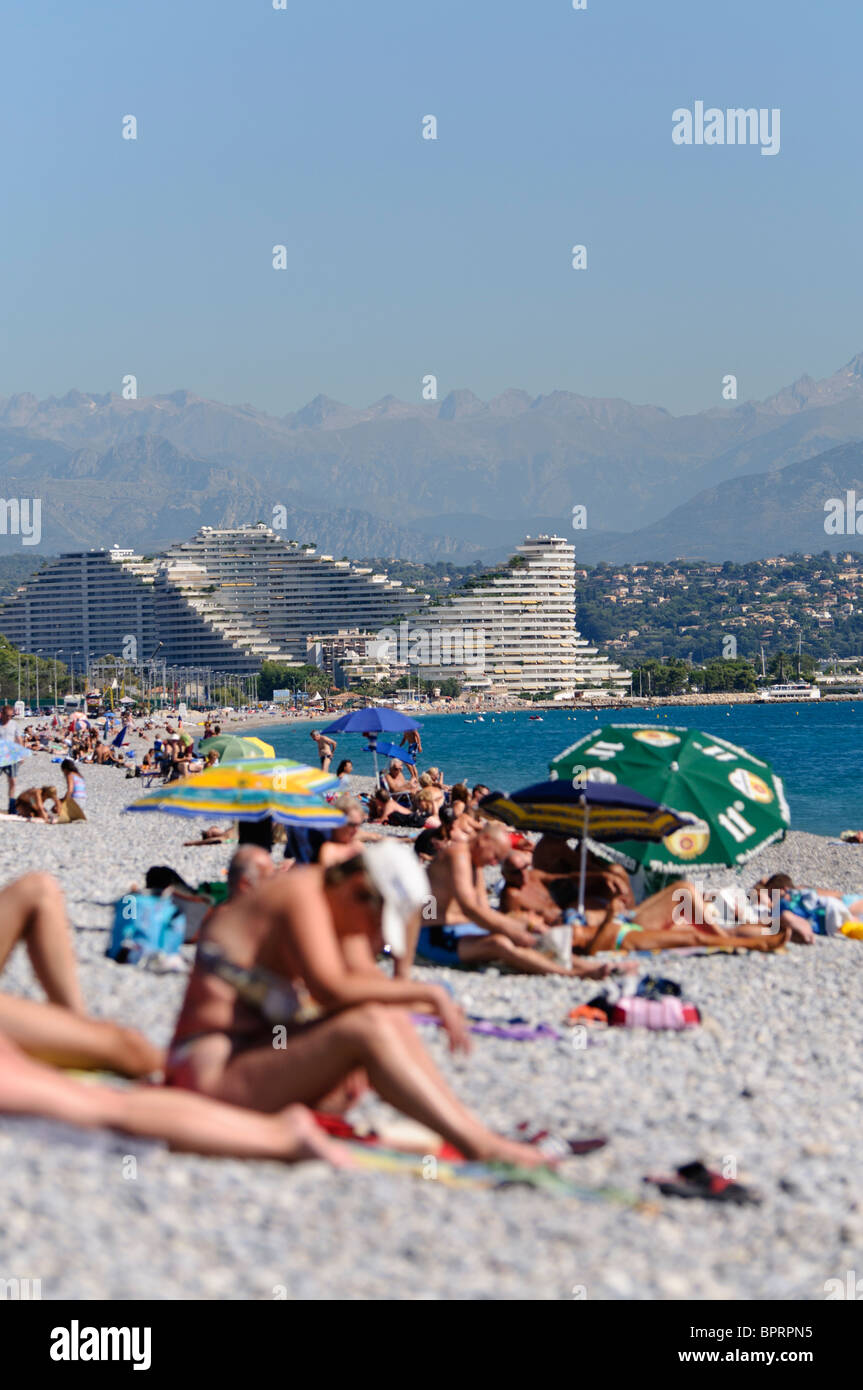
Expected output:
(855, 366)
(321, 412)
(513, 401)
(460, 403)
(806, 392)
(389, 407)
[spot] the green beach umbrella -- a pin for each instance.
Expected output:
(231, 748)
(737, 799)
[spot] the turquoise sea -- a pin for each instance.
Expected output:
(816, 749)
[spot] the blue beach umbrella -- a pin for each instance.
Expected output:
(374, 720)
(392, 750)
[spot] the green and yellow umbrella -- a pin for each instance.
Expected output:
(231, 748)
(737, 800)
(266, 749)
(289, 793)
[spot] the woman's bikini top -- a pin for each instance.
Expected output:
(277, 1000)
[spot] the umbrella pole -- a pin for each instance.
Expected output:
(583, 869)
(374, 743)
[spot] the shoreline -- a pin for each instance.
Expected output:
(271, 721)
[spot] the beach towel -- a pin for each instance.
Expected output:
(496, 1176)
(514, 1029)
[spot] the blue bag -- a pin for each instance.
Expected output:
(144, 926)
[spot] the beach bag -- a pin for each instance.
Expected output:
(145, 927)
(70, 810)
(634, 1011)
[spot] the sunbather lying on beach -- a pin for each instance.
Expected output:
(33, 913)
(213, 835)
(286, 1003)
(807, 912)
(463, 929)
(384, 811)
(656, 925)
(188, 1123)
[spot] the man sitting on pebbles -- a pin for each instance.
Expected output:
(463, 929)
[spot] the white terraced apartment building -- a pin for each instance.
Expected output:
(285, 591)
(514, 629)
(228, 599)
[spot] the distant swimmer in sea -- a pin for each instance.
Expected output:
(326, 748)
(411, 739)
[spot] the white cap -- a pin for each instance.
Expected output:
(403, 884)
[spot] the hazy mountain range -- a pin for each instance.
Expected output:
(461, 479)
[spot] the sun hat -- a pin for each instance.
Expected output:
(403, 884)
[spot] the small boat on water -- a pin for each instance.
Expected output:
(536, 717)
(793, 690)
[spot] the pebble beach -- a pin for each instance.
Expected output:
(769, 1089)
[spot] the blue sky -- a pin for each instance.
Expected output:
(405, 256)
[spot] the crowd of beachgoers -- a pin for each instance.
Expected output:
(315, 960)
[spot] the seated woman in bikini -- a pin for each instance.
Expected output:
(36, 1038)
(286, 1002)
(528, 889)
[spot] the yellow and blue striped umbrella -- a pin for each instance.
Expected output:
(606, 813)
(289, 793)
(310, 779)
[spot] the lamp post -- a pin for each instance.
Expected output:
(76, 652)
